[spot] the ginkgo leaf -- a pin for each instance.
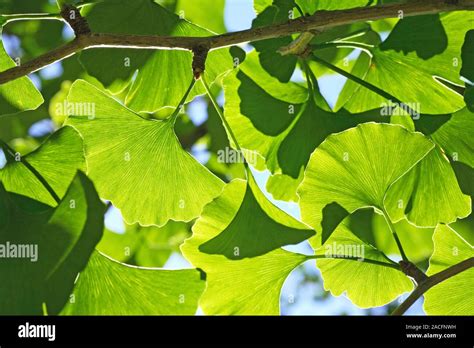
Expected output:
(17, 95)
(228, 224)
(310, 6)
(366, 284)
(108, 287)
(139, 164)
(166, 71)
(149, 246)
(414, 60)
(467, 70)
(372, 228)
(14, 126)
(209, 14)
(120, 246)
(434, 175)
(417, 242)
(455, 137)
(429, 194)
(453, 296)
(58, 242)
(251, 226)
(278, 66)
(273, 118)
(355, 168)
(467, 56)
(56, 161)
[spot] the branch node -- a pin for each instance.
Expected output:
(199, 60)
(412, 271)
(73, 17)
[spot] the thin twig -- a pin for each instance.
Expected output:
(395, 236)
(320, 21)
(180, 106)
(365, 84)
(221, 115)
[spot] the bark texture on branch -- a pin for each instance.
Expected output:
(73, 17)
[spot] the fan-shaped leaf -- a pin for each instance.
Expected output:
(139, 164)
(355, 168)
(107, 287)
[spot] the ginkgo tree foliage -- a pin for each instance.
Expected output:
(383, 177)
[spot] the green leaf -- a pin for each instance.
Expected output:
(429, 194)
(283, 187)
(14, 126)
(455, 137)
(355, 168)
(454, 295)
(56, 160)
(149, 246)
(230, 221)
(120, 246)
(260, 5)
(278, 66)
(310, 6)
(273, 118)
(208, 14)
(17, 95)
(365, 284)
(467, 70)
(252, 226)
(467, 56)
(417, 242)
(160, 242)
(469, 98)
(108, 287)
(405, 67)
(64, 239)
(159, 181)
(167, 71)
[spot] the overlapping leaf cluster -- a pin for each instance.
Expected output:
(357, 173)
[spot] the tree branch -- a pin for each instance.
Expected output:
(318, 22)
(432, 281)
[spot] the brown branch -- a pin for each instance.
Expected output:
(431, 281)
(411, 270)
(73, 17)
(318, 22)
